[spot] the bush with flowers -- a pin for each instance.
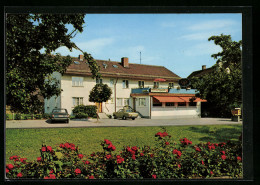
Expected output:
(168, 159)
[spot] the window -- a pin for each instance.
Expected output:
(111, 82)
(98, 81)
(181, 104)
(142, 102)
(155, 85)
(171, 85)
(192, 103)
(122, 101)
(141, 84)
(77, 81)
(119, 101)
(125, 84)
(77, 101)
(169, 104)
(126, 101)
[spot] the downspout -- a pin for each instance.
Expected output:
(115, 92)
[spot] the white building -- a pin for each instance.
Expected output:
(150, 90)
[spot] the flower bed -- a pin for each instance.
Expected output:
(169, 159)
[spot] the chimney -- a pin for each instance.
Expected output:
(124, 62)
(203, 67)
(81, 57)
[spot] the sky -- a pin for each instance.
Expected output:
(177, 41)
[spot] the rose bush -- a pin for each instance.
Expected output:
(168, 159)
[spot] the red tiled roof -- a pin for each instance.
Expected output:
(134, 71)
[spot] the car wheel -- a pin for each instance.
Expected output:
(124, 118)
(133, 118)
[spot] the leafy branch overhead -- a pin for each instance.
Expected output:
(31, 40)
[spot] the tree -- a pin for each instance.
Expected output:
(100, 93)
(222, 88)
(31, 40)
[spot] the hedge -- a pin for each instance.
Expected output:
(170, 159)
(90, 110)
(18, 116)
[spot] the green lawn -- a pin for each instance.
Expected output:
(27, 142)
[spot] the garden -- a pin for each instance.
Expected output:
(181, 152)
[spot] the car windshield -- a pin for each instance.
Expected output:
(59, 111)
(129, 110)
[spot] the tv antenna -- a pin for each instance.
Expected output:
(140, 57)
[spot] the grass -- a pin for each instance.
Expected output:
(27, 142)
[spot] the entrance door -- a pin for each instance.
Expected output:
(99, 107)
(134, 104)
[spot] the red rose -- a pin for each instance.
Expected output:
(167, 143)
(86, 162)
(49, 148)
(43, 149)
(23, 160)
(141, 154)
(113, 148)
(179, 166)
(164, 134)
(133, 157)
(19, 174)
(202, 162)
(223, 157)
(80, 156)
(10, 166)
(39, 159)
(151, 155)
(62, 145)
(108, 156)
(11, 158)
(198, 149)
(6, 170)
(91, 177)
(154, 176)
(239, 158)
(107, 141)
(77, 171)
(223, 152)
(52, 176)
(51, 171)
(211, 173)
(73, 148)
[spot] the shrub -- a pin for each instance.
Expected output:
(87, 109)
(169, 159)
(81, 115)
(18, 116)
(9, 116)
(38, 116)
(45, 116)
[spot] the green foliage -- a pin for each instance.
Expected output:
(18, 117)
(169, 159)
(90, 110)
(100, 93)
(46, 116)
(222, 88)
(27, 35)
(81, 115)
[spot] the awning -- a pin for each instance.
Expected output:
(199, 100)
(177, 99)
(168, 99)
(159, 80)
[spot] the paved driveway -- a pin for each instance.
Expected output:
(118, 123)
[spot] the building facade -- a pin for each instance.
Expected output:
(153, 91)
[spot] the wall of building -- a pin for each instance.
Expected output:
(175, 112)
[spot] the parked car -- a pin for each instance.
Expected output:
(59, 115)
(125, 113)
